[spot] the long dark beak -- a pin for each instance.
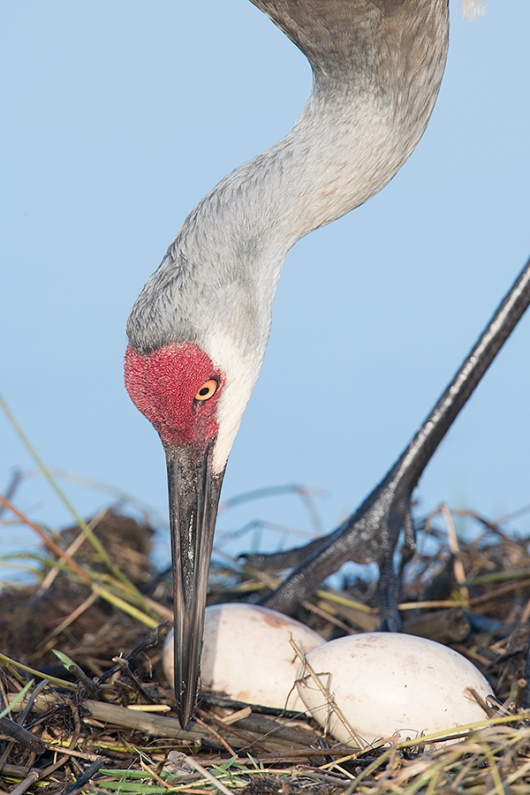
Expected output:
(193, 499)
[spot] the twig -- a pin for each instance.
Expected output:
(333, 596)
(486, 597)
(513, 515)
(458, 566)
(37, 775)
(11, 489)
(30, 779)
(73, 668)
(275, 731)
(72, 752)
(229, 703)
(87, 775)
(124, 665)
(157, 725)
(164, 612)
(154, 775)
(370, 769)
(74, 615)
(318, 611)
(236, 716)
(150, 707)
(18, 771)
(330, 704)
(207, 775)
(21, 735)
(71, 550)
(147, 642)
(53, 679)
(247, 738)
(27, 709)
(216, 735)
(50, 543)
(525, 698)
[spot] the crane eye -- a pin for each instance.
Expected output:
(207, 390)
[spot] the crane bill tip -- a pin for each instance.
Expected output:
(472, 9)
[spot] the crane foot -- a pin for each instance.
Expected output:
(370, 534)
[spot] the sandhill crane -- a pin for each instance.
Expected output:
(199, 329)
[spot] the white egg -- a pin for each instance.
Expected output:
(387, 684)
(247, 655)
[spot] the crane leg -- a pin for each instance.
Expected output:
(372, 532)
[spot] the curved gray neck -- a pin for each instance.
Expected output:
(369, 107)
(377, 68)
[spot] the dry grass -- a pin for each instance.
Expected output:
(81, 730)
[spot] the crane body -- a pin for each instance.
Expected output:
(199, 329)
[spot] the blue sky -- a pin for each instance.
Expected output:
(118, 117)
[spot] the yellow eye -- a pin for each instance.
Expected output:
(207, 390)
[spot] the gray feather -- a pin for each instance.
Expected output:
(377, 69)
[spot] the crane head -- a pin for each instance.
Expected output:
(178, 388)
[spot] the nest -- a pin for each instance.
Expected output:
(100, 717)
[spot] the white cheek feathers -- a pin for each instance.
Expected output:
(390, 685)
(241, 373)
(247, 655)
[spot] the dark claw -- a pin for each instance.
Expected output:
(387, 625)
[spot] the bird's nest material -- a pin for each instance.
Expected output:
(76, 731)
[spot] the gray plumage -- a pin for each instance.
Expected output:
(384, 56)
(377, 67)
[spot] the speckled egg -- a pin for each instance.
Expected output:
(247, 655)
(389, 684)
